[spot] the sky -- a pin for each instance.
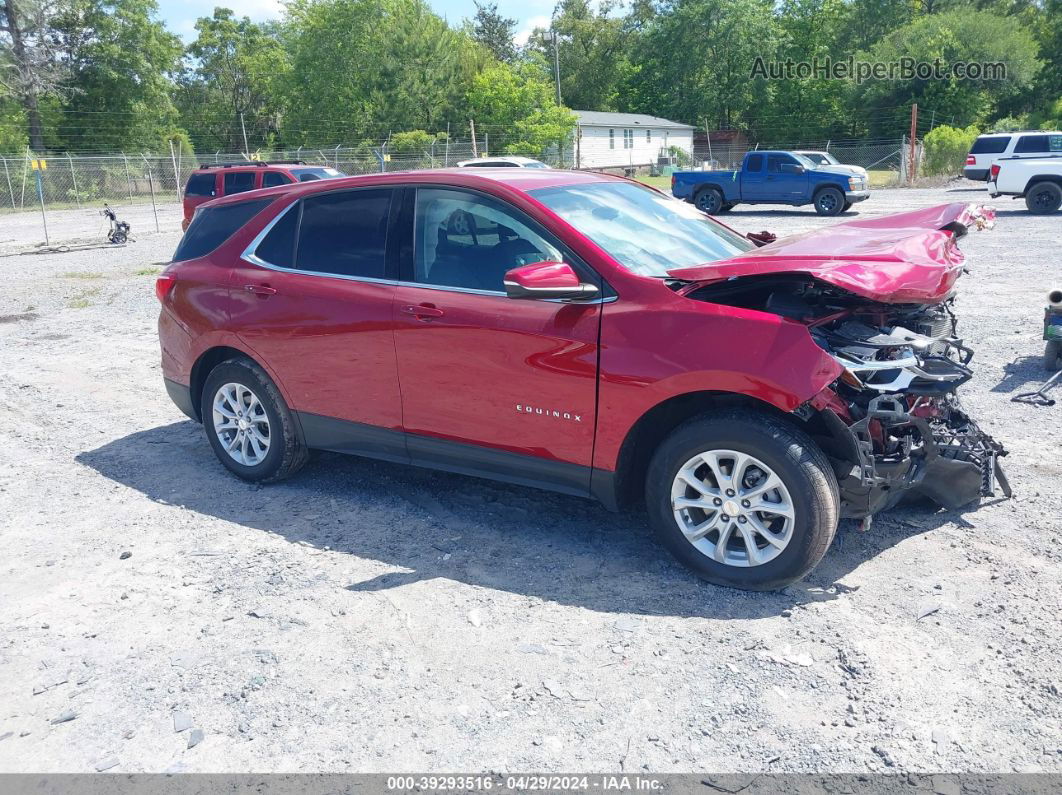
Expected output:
(180, 15)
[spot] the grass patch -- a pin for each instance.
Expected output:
(81, 275)
(883, 179)
(148, 271)
(81, 300)
(660, 183)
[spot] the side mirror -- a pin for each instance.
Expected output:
(547, 280)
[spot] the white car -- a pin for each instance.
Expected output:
(1039, 181)
(826, 159)
(987, 149)
(502, 162)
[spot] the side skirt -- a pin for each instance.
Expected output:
(342, 436)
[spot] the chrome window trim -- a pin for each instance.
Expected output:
(251, 257)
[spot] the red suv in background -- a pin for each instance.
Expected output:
(213, 181)
(586, 334)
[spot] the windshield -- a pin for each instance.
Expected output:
(535, 164)
(643, 230)
(317, 172)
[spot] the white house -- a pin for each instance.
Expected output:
(615, 140)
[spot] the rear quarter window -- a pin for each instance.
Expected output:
(200, 185)
(754, 163)
(212, 226)
(990, 146)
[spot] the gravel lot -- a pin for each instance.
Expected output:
(369, 617)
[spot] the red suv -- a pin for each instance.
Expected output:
(587, 334)
(209, 182)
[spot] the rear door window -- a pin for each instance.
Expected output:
(212, 226)
(200, 185)
(345, 233)
(238, 182)
(1031, 143)
(990, 146)
(754, 163)
(273, 179)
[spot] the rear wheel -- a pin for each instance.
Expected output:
(743, 500)
(829, 201)
(847, 207)
(1043, 198)
(709, 200)
(249, 424)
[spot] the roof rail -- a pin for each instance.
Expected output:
(255, 163)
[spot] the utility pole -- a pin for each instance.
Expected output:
(246, 149)
(912, 166)
(556, 65)
(472, 127)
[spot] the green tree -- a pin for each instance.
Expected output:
(953, 37)
(122, 61)
(694, 61)
(946, 148)
(361, 68)
(494, 31)
(521, 106)
(30, 67)
(592, 48)
(234, 85)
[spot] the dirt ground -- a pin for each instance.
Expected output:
(372, 617)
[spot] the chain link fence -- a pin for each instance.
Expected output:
(74, 188)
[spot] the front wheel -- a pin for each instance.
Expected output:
(709, 200)
(847, 207)
(743, 499)
(829, 201)
(1043, 198)
(248, 423)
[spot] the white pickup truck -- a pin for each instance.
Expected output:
(1039, 180)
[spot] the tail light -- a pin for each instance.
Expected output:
(971, 160)
(994, 170)
(163, 285)
(672, 183)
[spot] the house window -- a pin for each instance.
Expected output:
(628, 139)
(611, 139)
(648, 136)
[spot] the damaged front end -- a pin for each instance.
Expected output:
(891, 423)
(893, 417)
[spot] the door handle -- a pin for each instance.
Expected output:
(423, 311)
(260, 289)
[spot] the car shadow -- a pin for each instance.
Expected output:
(1025, 371)
(440, 525)
(782, 212)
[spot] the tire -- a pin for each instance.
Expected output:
(1053, 355)
(1043, 198)
(708, 200)
(829, 201)
(847, 207)
(283, 455)
(727, 207)
(808, 486)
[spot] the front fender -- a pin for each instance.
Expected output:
(648, 357)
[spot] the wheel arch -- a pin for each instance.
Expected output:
(207, 361)
(1034, 180)
(653, 426)
(820, 188)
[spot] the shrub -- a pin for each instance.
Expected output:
(946, 149)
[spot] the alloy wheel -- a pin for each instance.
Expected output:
(241, 424)
(733, 508)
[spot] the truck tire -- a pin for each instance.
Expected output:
(711, 503)
(847, 207)
(829, 201)
(1053, 355)
(709, 200)
(727, 207)
(1043, 198)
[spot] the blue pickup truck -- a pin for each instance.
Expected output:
(772, 178)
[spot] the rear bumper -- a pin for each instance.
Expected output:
(975, 173)
(854, 196)
(181, 395)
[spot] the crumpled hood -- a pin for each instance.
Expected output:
(904, 258)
